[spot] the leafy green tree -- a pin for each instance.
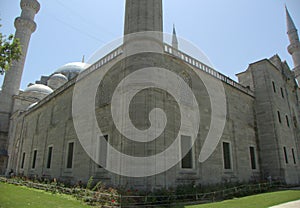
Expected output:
(10, 50)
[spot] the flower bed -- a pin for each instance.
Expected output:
(101, 196)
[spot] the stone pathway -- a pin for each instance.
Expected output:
(293, 204)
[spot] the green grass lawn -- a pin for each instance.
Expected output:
(12, 196)
(257, 201)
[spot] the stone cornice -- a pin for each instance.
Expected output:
(24, 98)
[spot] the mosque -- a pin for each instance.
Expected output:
(259, 138)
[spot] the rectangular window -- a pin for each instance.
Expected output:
(70, 155)
(34, 159)
(102, 151)
(282, 94)
(253, 158)
(294, 157)
(49, 158)
(287, 121)
(226, 155)
(23, 160)
(187, 159)
(274, 87)
(285, 155)
(279, 116)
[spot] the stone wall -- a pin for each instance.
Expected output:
(49, 124)
(275, 95)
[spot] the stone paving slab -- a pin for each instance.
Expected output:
(293, 204)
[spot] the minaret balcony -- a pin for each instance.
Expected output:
(33, 4)
(21, 23)
(294, 47)
(297, 71)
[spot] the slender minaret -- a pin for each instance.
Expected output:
(143, 25)
(143, 15)
(25, 26)
(294, 47)
(174, 39)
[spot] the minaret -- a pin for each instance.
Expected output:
(294, 47)
(174, 39)
(143, 16)
(25, 26)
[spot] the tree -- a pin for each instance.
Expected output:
(10, 50)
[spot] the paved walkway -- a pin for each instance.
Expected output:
(293, 204)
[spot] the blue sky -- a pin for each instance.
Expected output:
(232, 33)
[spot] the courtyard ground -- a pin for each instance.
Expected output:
(258, 201)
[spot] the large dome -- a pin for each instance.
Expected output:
(75, 67)
(71, 70)
(39, 88)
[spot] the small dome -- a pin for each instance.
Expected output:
(56, 81)
(71, 70)
(75, 67)
(59, 76)
(40, 88)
